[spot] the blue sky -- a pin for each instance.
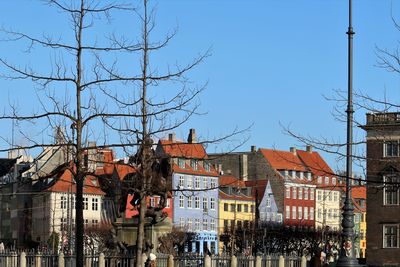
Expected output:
(272, 61)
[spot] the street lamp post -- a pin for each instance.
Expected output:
(347, 255)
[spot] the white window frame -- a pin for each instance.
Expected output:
(189, 202)
(189, 182)
(294, 212)
(181, 182)
(306, 193)
(300, 192)
(197, 202)
(305, 213)
(287, 215)
(197, 182)
(287, 195)
(212, 203)
(294, 193)
(181, 201)
(312, 193)
(311, 214)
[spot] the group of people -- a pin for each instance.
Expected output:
(325, 256)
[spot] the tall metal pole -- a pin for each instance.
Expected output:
(347, 255)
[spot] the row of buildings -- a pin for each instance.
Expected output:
(210, 194)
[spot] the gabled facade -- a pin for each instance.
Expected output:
(383, 191)
(195, 191)
(328, 190)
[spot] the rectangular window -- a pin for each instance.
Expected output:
(190, 224)
(207, 166)
(312, 194)
(330, 214)
(205, 183)
(212, 203)
(196, 202)
(226, 206)
(287, 212)
(181, 222)
(85, 203)
(300, 193)
(319, 213)
(239, 207)
(391, 236)
(197, 224)
(246, 208)
(306, 193)
(94, 223)
(294, 213)
(226, 225)
(300, 213)
(194, 163)
(181, 184)
(305, 213)
(319, 179)
(391, 149)
(335, 196)
(333, 180)
(63, 204)
(326, 180)
(181, 163)
(189, 202)
(205, 204)
(95, 204)
(252, 208)
(181, 202)
(233, 207)
(287, 192)
(268, 202)
(205, 224)
(294, 192)
(319, 195)
(152, 202)
(189, 182)
(213, 184)
(311, 214)
(212, 225)
(197, 182)
(391, 190)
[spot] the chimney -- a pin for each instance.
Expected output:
(253, 148)
(192, 136)
(172, 137)
(293, 150)
(309, 148)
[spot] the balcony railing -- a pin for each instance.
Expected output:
(383, 118)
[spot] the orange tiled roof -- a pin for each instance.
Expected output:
(189, 170)
(64, 183)
(183, 150)
(359, 192)
(283, 160)
(315, 163)
(241, 197)
(230, 180)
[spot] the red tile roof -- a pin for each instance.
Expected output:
(283, 160)
(315, 163)
(230, 180)
(64, 183)
(183, 150)
(359, 192)
(241, 197)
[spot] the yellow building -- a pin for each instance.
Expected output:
(359, 195)
(236, 210)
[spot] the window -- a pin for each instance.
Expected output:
(86, 222)
(294, 213)
(181, 222)
(268, 202)
(319, 195)
(189, 202)
(212, 183)
(335, 196)
(205, 224)
(287, 192)
(194, 163)
(189, 182)
(197, 224)
(330, 214)
(95, 204)
(152, 202)
(391, 236)
(252, 208)
(85, 203)
(246, 208)
(309, 176)
(190, 224)
(181, 202)
(212, 225)
(181, 182)
(300, 213)
(233, 207)
(95, 222)
(287, 212)
(391, 190)
(391, 149)
(279, 218)
(196, 202)
(205, 204)
(311, 213)
(207, 166)
(300, 193)
(319, 213)
(306, 193)
(319, 179)
(239, 207)
(181, 163)
(326, 180)
(197, 182)
(212, 203)
(63, 204)
(294, 192)
(205, 183)
(305, 213)
(334, 180)
(225, 206)
(226, 225)
(63, 224)
(312, 194)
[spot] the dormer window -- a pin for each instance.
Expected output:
(334, 180)
(309, 176)
(301, 175)
(293, 174)
(194, 163)
(286, 173)
(207, 166)
(326, 180)
(319, 179)
(181, 163)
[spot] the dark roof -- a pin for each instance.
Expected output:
(6, 165)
